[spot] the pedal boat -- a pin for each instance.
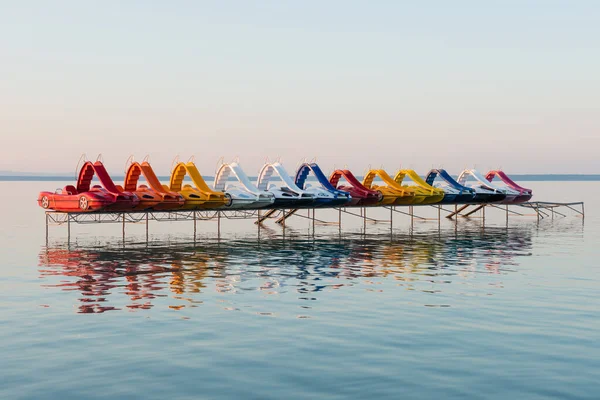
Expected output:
(197, 197)
(325, 195)
(85, 198)
(287, 195)
(424, 193)
(454, 192)
(391, 193)
(361, 196)
(485, 191)
(243, 195)
(524, 193)
(154, 196)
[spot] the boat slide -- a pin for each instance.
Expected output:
(326, 194)
(455, 193)
(524, 193)
(485, 190)
(287, 196)
(244, 195)
(424, 193)
(201, 196)
(154, 195)
(391, 192)
(361, 196)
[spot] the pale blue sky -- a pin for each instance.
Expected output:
(484, 84)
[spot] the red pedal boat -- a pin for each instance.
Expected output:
(361, 196)
(524, 193)
(85, 198)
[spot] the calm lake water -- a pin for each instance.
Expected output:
(449, 311)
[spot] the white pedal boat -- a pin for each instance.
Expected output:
(243, 194)
(287, 194)
(486, 191)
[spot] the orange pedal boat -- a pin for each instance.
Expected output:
(154, 196)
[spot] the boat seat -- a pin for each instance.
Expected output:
(70, 189)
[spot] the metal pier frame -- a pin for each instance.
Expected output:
(542, 211)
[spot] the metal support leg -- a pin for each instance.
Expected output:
(340, 220)
(365, 220)
(455, 219)
(455, 226)
(68, 228)
(507, 215)
(283, 222)
(46, 230)
(219, 224)
(483, 216)
(194, 225)
(146, 226)
(123, 217)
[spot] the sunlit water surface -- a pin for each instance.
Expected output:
(433, 311)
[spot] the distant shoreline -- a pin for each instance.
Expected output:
(516, 177)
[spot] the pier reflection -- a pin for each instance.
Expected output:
(180, 274)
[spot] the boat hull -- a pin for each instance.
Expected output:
(450, 198)
(292, 203)
(510, 199)
(122, 205)
(430, 199)
(238, 203)
(522, 198)
(170, 202)
(402, 200)
(327, 202)
(148, 200)
(212, 203)
(368, 201)
(464, 198)
(488, 198)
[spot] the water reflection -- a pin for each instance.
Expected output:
(182, 275)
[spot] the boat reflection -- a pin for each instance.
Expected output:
(183, 275)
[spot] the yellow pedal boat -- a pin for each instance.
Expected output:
(424, 193)
(199, 196)
(391, 192)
